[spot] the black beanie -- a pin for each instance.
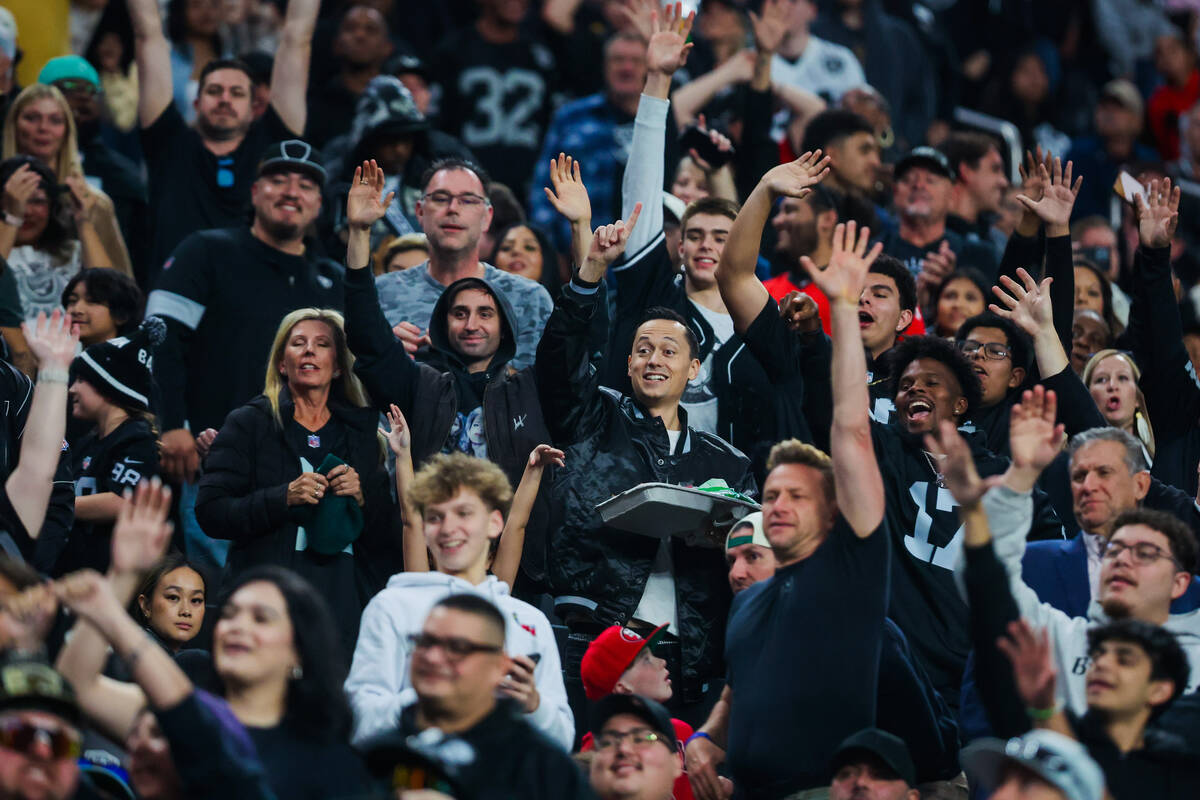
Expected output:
(119, 369)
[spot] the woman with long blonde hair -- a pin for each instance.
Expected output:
(1112, 377)
(295, 477)
(40, 124)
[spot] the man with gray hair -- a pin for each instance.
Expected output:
(1107, 474)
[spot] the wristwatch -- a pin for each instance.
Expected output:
(13, 220)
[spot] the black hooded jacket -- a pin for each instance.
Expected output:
(432, 394)
(613, 444)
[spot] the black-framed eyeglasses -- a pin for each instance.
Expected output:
(993, 350)
(21, 736)
(638, 737)
(1143, 553)
(443, 199)
(454, 647)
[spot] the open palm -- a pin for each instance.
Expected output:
(1158, 214)
(142, 531)
(51, 340)
(1028, 306)
(843, 279)
(794, 178)
(1033, 670)
(1058, 197)
(1034, 439)
(569, 195)
(365, 205)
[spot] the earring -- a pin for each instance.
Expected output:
(297, 672)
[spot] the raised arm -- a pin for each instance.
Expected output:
(153, 54)
(399, 438)
(642, 182)
(742, 291)
(139, 538)
(289, 74)
(512, 538)
(1027, 304)
(569, 196)
(30, 484)
(857, 481)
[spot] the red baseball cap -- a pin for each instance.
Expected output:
(609, 655)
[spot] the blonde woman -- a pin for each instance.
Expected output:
(40, 124)
(1112, 377)
(269, 488)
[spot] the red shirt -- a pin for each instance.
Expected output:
(1164, 108)
(781, 285)
(682, 789)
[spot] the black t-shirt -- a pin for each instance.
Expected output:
(191, 189)
(802, 651)
(497, 98)
(111, 464)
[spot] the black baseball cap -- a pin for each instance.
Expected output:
(292, 155)
(645, 709)
(888, 748)
(32, 684)
(930, 158)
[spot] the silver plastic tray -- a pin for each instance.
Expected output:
(663, 509)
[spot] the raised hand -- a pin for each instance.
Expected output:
(1028, 306)
(936, 267)
(842, 281)
(569, 196)
(399, 436)
(608, 241)
(1033, 179)
(771, 26)
(365, 204)
(794, 178)
(142, 531)
(1158, 214)
(1033, 670)
(544, 455)
(800, 312)
(51, 340)
(668, 48)
(957, 466)
(635, 14)
(1033, 437)
(27, 619)
(1058, 194)
(19, 188)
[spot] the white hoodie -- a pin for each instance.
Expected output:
(382, 656)
(1010, 515)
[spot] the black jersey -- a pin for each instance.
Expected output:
(497, 99)
(923, 516)
(114, 463)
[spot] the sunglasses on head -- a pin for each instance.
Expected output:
(20, 735)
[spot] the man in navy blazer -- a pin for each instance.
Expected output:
(1107, 476)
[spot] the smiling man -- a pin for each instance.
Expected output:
(614, 442)
(462, 721)
(463, 501)
(637, 754)
(223, 293)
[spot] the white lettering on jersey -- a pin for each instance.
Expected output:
(507, 103)
(918, 543)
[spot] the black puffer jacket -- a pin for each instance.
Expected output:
(613, 444)
(426, 392)
(243, 497)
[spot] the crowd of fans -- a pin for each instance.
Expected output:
(328, 327)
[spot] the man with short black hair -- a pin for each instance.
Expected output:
(454, 211)
(614, 442)
(979, 185)
(360, 48)
(468, 729)
(852, 145)
(223, 294)
(200, 177)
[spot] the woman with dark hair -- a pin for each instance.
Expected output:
(1094, 291)
(193, 27)
(170, 602)
(526, 250)
(103, 304)
(961, 296)
(275, 657)
(296, 478)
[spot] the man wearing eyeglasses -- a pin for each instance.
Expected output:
(40, 741)
(636, 753)
(454, 211)
(476, 734)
